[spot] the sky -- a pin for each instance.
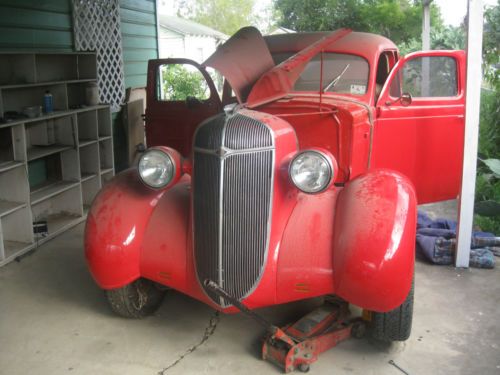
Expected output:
(452, 11)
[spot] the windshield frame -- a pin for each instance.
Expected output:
(364, 97)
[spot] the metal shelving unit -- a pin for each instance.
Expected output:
(74, 144)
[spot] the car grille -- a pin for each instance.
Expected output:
(233, 183)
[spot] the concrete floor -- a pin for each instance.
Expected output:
(54, 320)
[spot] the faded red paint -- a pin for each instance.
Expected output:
(355, 239)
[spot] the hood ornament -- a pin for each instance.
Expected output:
(221, 152)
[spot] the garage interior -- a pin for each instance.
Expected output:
(53, 317)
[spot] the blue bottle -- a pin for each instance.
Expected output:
(48, 102)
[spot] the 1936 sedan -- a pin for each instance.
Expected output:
(302, 180)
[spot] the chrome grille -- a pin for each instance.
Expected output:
(232, 202)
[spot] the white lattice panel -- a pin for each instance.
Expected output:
(96, 26)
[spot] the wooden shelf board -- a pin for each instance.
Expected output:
(55, 114)
(104, 137)
(86, 142)
(88, 176)
(7, 207)
(49, 83)
(58, 223)
(106, 170)
(49, 191)
(13, 249)
(8, 165)
(37, 152)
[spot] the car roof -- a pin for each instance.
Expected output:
(366, 45)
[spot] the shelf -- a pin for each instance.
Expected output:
(13, 249)
(49, 191)
(47, 83)
(37, 152)
(56, 223)
(88, 176)
(86, 142)
(7, 207)
(6, 166)
(50, 166)
(54, 114)
(107, 170)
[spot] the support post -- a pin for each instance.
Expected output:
(472, 106)
(426, 45)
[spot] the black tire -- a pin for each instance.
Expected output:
(394, 325)
(135, 300)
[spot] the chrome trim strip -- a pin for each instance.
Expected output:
(229, 152)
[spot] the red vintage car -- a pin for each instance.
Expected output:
(302, 180)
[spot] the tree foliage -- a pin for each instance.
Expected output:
(399, 20)
(226, 16)
(491, 45)
(488, 181)
(448, 37)
(179, 83)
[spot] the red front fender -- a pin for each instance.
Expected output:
(374, 240)
(115, 229)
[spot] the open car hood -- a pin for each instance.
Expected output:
(242, 60)
(279, 81)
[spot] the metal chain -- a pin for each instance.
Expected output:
(142, 296)
(209, 331)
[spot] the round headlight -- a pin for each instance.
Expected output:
(156, 168)
(311, 171)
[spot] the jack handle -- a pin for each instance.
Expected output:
(271, 328)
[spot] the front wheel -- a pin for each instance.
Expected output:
(394, 325)
(135, 300)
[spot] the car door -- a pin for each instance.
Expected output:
(180, 95)
(419, 125)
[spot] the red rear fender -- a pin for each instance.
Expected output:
(374, 240)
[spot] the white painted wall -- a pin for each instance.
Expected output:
(197, 48)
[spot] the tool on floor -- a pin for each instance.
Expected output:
(391, 362)
(298, 345)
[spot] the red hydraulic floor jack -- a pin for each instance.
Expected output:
(297, 345)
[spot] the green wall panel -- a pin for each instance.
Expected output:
(136, 68)
(12, 38)
(143, 6)
(137, 17)
(34, 19)
(139, 54)
(131, 42)
(139, 32)
(36, 25)
(53, 6)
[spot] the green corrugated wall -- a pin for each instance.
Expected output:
(139, 39)
(31, 24)
(140, 43)
(47, 25)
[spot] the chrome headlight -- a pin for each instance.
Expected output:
(311, 171)
(156, 168)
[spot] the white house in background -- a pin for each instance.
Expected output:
(183, 38)
(281, 30)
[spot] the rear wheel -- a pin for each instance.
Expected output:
(135, 300)
(394, 325)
